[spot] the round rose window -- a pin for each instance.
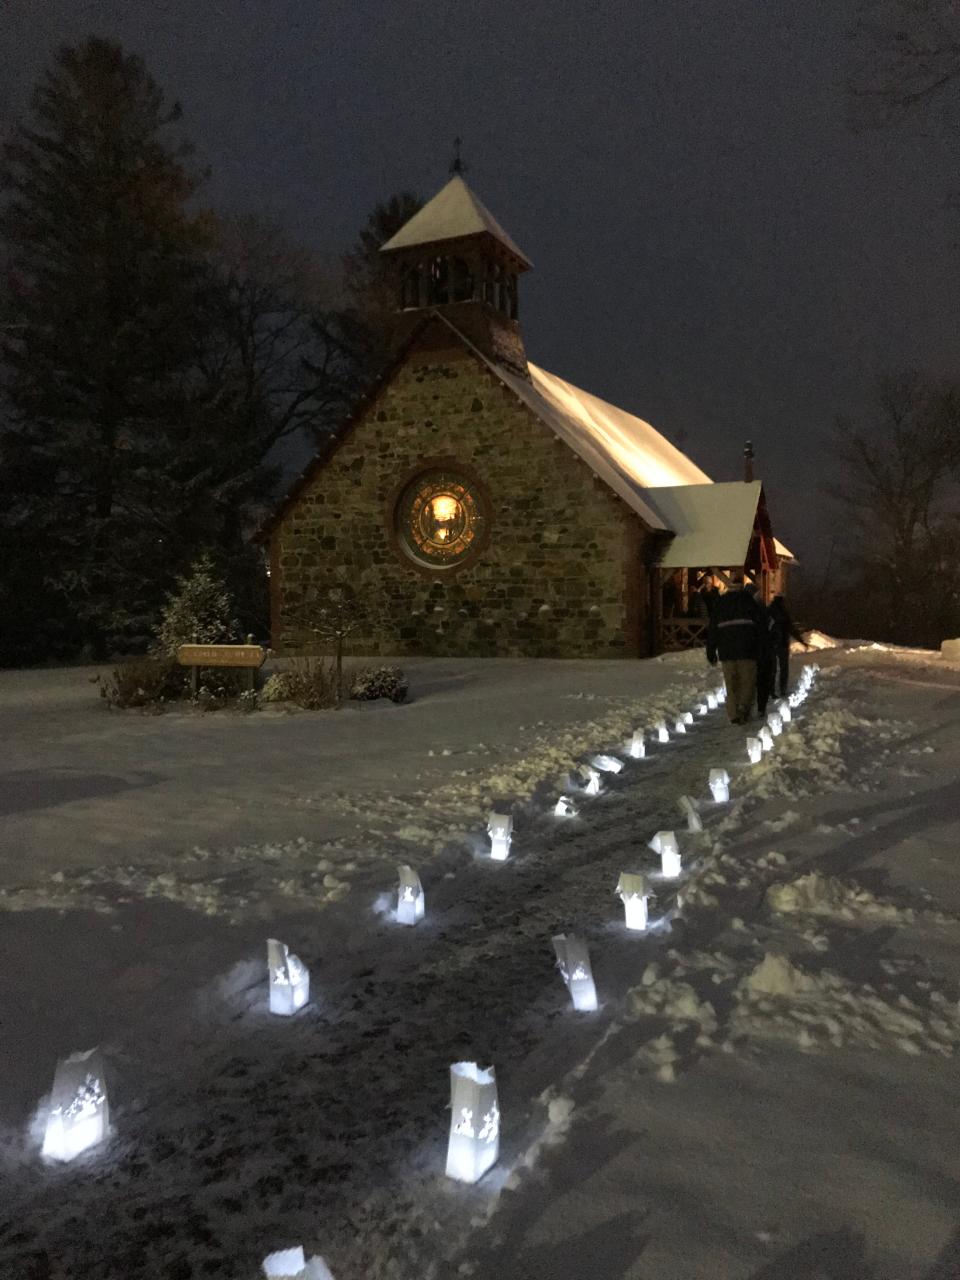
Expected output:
(440, 518)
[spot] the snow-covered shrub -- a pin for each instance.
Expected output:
(309, 682)
(379, 682)
(144, 682)
(277, 687)
(249, 700)
(199, 611)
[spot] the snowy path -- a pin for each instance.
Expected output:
(249, 1132)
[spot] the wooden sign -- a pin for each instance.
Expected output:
(221, 655)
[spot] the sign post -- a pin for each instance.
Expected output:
(248, 656)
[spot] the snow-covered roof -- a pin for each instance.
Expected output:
(712, 523)
(784, 553)
(623, 450)
(453, 212)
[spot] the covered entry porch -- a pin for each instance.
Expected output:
(716, 530)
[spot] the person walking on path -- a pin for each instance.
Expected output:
(733, 637)
(782, 630)
(766, 654)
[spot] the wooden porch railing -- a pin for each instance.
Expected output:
(682, 633)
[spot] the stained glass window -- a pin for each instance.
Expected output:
(440, 517)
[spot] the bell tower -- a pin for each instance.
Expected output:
(454, 258)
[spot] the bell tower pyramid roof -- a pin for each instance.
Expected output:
(454, 212)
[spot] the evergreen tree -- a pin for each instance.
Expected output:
(198, 611)
(100, 325)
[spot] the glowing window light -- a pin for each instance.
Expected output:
(712, 702)
(445, 507)
(591, 780)
(720, 785)
(565, 808)
(634, 893)
(662, 732)
(289, 979)
(665, 843)
(754, 750)
(637, 748)
(607, 764)
(775, 723)
(688, 807)
(573, 961)
(292, 1264)
(79, 1114)
(783, 706)
(474, 1142)
(500, 831)
(410, 902)
(680, 726)
(766, 738)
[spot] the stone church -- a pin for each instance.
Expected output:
(476, 505)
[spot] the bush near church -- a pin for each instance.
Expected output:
(379, 682)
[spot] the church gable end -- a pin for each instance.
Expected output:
(463, 525)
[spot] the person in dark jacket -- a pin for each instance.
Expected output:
(766, 658)
(733, 637)
(782, 630)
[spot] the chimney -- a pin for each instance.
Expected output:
(748, 462)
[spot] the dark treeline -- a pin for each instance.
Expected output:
(154, 357)
(893, 572)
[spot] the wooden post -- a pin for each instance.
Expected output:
(251, 671)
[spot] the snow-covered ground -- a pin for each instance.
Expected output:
(767, 1092)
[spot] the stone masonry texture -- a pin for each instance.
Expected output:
(556, 577)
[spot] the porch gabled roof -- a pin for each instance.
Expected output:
(712, 523)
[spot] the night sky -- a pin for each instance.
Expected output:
(716, 249)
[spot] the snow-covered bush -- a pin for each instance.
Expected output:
(144, 682)
(309, 682)
(199, 611)
(277, 687)
(379, 682)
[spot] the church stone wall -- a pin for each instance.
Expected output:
(559, 577)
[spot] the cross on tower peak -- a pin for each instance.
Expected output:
(457, 166)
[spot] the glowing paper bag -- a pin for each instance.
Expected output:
(662, 732)
(289, 979)
(79, 1114)
(500, 831)
(665, 843)
(573, 961)
(775, 723)
(291, 1264)
(637, 747)
(565, 808)
(766, 738)
(474, 1122)
(607, 764)
(590, 779)
(633, 891)
(410, 902)
(720, 785)
(688, 807)
(680, 725)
